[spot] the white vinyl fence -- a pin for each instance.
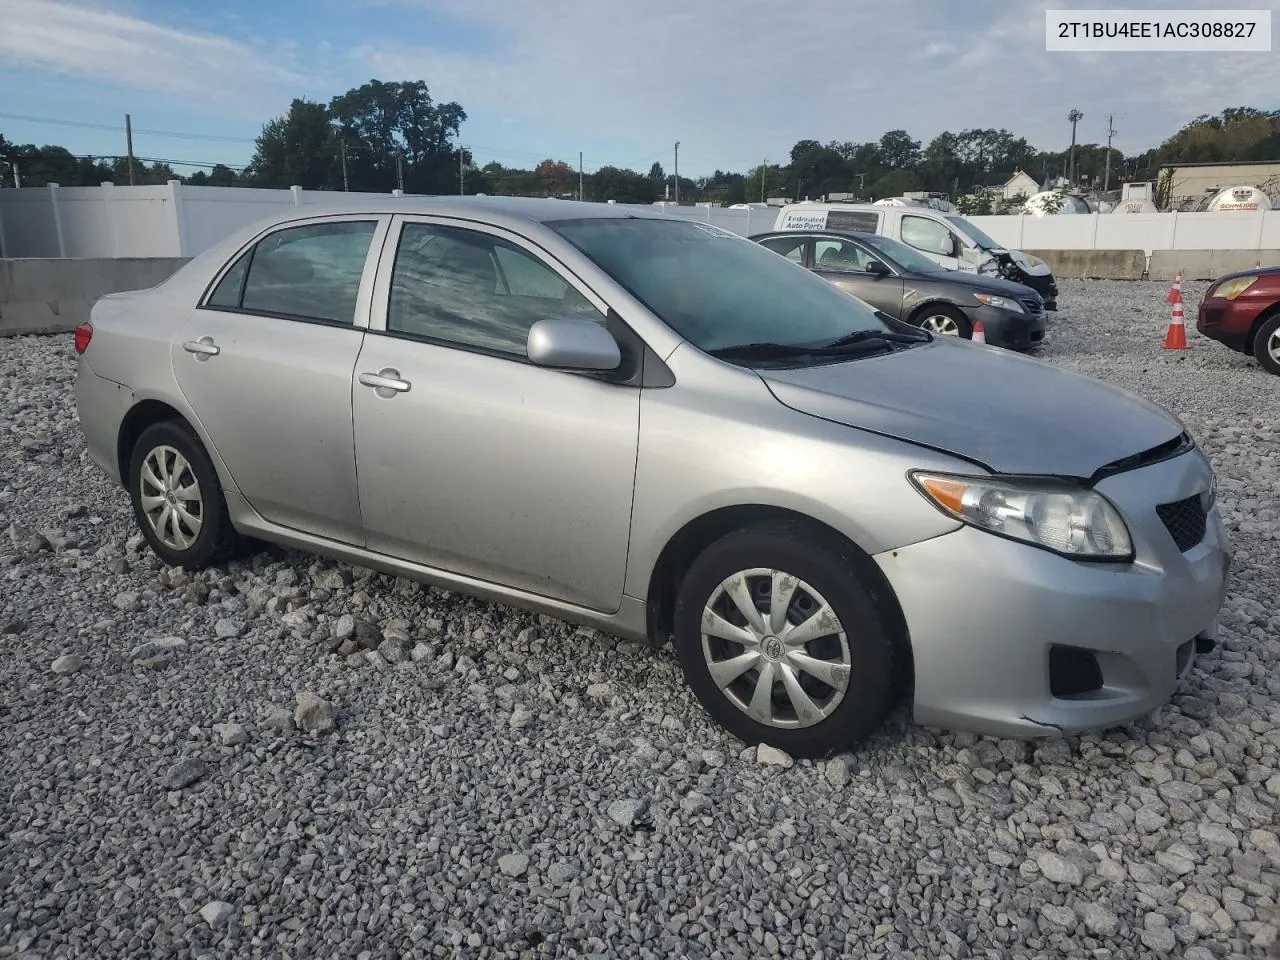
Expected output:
(176, 220)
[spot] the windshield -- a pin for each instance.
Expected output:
(714, 288)
(976, 235)
(902, 255)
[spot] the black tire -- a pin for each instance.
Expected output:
(216, 538)
(1263, 345)
(963, 326)
(828, 567)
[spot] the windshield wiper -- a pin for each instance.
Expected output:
(780, 351)
(892, 336)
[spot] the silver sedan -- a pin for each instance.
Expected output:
(666, 431)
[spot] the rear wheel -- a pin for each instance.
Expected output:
(1266, 345)
(781, 643)
(177, 499)
(945, 321)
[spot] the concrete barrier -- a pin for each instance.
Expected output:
(1094, 264)
(54, 295)
(1207, 264)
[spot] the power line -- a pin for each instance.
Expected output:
(87, 125)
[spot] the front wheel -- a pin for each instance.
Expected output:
(945, 321)
(177, 499)
(781, 643)
(1266, 345)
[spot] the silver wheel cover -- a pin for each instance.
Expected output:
(941, 324)
(775, 648)
(171, 498)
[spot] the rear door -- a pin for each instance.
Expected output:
(843, 262)
(266, 362)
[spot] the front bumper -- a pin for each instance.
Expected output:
(984, 614)
(1016, 330)
(1229, 321)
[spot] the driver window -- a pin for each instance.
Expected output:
(928, 236)
(839, 256)
(471, 289)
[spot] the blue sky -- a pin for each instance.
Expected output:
(620, 80)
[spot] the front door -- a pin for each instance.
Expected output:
(266, 363)
(470, 458)
(844, 263)
(935, 240)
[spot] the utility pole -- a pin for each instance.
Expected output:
(400, 171)
(764, 165)
(462, 158)
(128, 141)
(345, 185)
(1075, 116)
(579, 175)
(1106, 177)
(17, 181)
(677, 173)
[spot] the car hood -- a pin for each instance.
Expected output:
(1011, 414)
(980, 284)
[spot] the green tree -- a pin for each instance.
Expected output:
(623, 186)
(657, 177)
(894, 184)
(297, 149)
(381, 122)
(898, 151)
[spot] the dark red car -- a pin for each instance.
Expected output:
(1242, 310)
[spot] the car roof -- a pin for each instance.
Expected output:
(538, 209)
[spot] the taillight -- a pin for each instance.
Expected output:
(84, 333)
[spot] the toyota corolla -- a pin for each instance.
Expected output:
(664, 430)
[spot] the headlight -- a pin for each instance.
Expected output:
(1005, 303)
(1077, 523)
(1233, 288)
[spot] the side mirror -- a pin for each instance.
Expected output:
(570, 344)
(877, 268)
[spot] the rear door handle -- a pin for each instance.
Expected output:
(204, 348)
(386, 382)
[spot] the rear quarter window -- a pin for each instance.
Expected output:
(858, 221)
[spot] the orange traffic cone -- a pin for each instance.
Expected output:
(1176, 338)
(1175, 290)
(979, 333)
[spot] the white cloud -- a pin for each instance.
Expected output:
(119, 49)
(734, 80)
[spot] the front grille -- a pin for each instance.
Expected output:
(1034, 305)
(1185, 521)
(1042, 285)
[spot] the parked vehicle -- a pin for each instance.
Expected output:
(1242, 310)
(947, 239)
(659, 428)
(908, 286)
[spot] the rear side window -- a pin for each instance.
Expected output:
(231, 287)
(790, 247)
(472, 289)
(308, 273)
(859, 221)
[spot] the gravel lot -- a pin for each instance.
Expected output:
(499, 784)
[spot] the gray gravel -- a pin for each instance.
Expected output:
(288, 757)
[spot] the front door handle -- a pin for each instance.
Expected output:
(204, 348)
(386, 382)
